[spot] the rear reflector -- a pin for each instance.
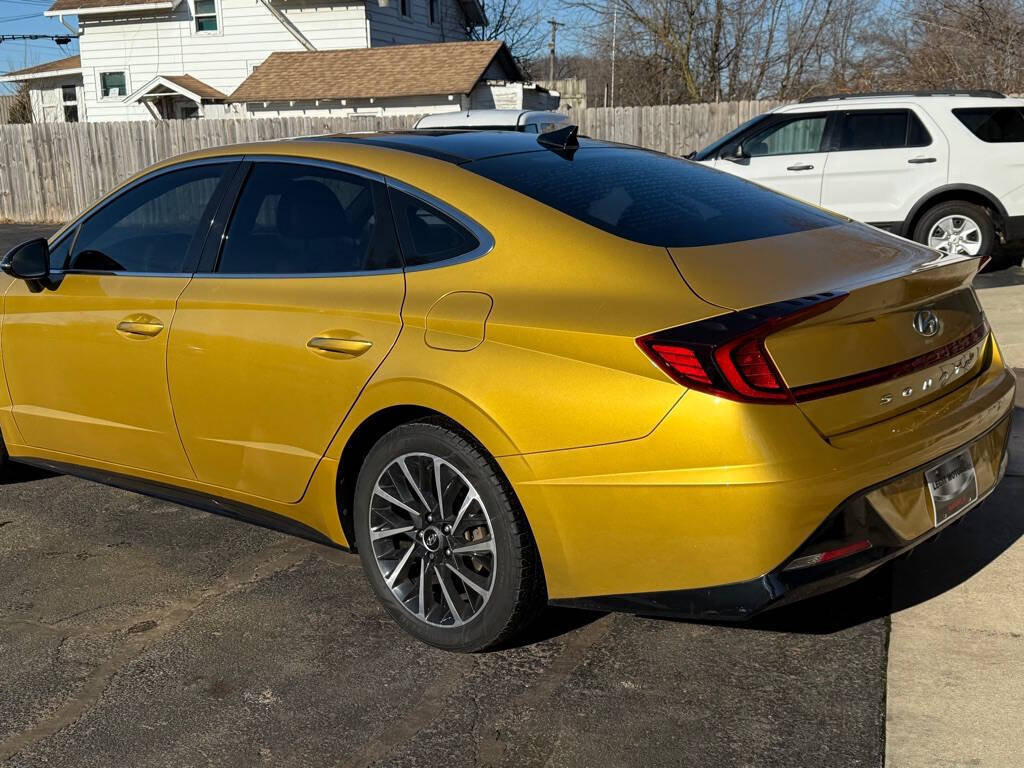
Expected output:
(828, 555)
(726, 356)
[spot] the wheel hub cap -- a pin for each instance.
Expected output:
(957, 235)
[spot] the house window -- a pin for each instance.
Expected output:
(404, 7)
(112, 84)
(206, 16)
(69, 98)
(432, 5)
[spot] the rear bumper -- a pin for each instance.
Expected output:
(858, 518)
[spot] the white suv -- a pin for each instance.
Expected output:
(944, 169)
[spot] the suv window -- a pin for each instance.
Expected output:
(150, 227)
(651, 198)
(295, 219)
(798, 136)
(427, 234)
(995, 125)
(882, 129)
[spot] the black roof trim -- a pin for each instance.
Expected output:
(870, 94)
(458, 146)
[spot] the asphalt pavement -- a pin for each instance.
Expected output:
(141, 633)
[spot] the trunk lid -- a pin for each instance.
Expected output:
(909, 330)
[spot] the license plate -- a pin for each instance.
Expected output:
(953, 486)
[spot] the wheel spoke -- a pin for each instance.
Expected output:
(474, 547)
(438, 489)
(414, 485)
(480, 589)
(471, 496)
(387, 533)
(392, 577)
(446, 591)
(378, 491)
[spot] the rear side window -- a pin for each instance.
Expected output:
(889, 129)
(995, 125)
(651, 198)
(427, 234)
(150, 227)
(294, 219)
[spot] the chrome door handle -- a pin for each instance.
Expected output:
(920, 160)
(140, 327)
(803, 167)
(350, 347)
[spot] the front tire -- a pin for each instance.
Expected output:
(957, 227)
(443, 541)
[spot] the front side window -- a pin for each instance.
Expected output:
(798, 136)
(996, 125)
(428, 235)
(891, 129)
(295, 219)
(150, 227)
(206, 15)
(112, 84)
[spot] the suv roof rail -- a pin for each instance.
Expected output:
(870, 94)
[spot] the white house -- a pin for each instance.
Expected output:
(159, 59)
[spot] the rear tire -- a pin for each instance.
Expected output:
(957, 227)
(463, 575)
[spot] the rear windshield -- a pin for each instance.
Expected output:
(995, 125)
(651, 198)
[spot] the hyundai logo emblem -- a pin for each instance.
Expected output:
(926, 323)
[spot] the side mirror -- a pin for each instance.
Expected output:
(28, 261)
(738, 155)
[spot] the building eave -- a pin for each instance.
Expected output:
(107, 10)
(40, 75)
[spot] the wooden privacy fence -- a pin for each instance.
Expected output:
(51, 171)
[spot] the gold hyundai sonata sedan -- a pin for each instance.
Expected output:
(511, 370)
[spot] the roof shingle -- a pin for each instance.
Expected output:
(58, 65)
(394, 70)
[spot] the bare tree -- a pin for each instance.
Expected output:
(21, 109)
(519, 24)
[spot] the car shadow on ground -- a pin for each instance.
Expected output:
(22, 473)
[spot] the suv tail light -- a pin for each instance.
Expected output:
(726, 355)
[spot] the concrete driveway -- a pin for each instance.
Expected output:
(137, 632)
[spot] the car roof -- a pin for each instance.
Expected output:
(854, 101)
(478, 117)
(457, 146)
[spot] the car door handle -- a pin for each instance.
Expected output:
(350, 347)
(140, 326)
(801, 167)
(920, 160)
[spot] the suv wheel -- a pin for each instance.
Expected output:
(957, 227)
(443, 541)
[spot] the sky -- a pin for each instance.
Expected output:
(25, 17)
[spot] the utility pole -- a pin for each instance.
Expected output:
(551, 49)
(615, 24)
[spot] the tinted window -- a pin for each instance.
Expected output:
(993, 124)
(882, 130)
(301, 219)
(651, 198)
(427, 234)
(59, 252)
(150, 227)
(792, 137)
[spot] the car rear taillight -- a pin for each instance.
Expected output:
(726, 355)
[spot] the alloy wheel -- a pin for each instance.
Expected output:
(432, 539)
(957, 235)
